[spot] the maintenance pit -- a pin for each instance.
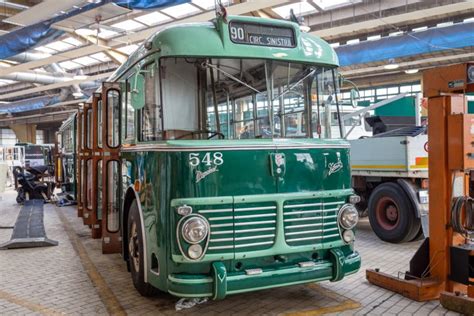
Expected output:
(76, 278)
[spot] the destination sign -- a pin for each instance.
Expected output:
(261, 34)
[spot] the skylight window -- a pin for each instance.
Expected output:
(298, 8)
(46, 50)
(85, 61)
(208, 4)
(181, 10)
(60, 46)
(72, 41)
(331, 4)
(68, 65)
(353, 41)
(106, 33)
(153, 18)
(101, 57)
(419, 29)
(374, 37)
(128, 25)
(128, 49)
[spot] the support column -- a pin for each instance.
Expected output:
(26, 133)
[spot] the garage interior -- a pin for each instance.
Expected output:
(402, 65)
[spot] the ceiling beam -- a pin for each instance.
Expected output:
(55, 86)
(140, 36)
(386, 22)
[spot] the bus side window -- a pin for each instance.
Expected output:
(113, 118)
(150, 115)
(129, 113)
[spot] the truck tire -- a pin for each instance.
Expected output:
(391, 214)
(136, 257)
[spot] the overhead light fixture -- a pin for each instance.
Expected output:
(81, 104)
(411, 71)
(305, 28)
(77, 94)
(391, 64)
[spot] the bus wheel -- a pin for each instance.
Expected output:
(135, 251)
(391, 214)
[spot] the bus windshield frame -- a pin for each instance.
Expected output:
(224, 98)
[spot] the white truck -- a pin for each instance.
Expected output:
(390, 173)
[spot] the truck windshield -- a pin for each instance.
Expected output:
(246, 98)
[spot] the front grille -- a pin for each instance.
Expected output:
(247, 227)
(309, 222)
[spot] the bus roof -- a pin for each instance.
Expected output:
(212, 39)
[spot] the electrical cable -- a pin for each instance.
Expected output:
(467, 228)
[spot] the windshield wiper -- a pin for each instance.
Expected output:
(294, 85)
(231, 77)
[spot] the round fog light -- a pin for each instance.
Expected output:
(348, 236)
(348, 216)
(195, 252)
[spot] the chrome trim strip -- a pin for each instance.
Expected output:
(215, 211)
(310, 211)
(254, 230)
(303, 205)
(171, 148)
(220, 247)
(221, 239)
(255, 216)
(311, 231)
(311, 238)
(255, 208)
(303, 219)
(304, 232)
(254, 244)
(334, 203)
(220, 218)
(223, 232)
(254, 237)
(255, 223)
(301, 226)
(222, 225)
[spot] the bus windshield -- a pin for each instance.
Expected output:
(246, 99)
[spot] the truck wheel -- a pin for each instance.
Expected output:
(391, 214)
(135, 250)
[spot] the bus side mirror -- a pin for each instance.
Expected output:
(137, 92)
(354, 97)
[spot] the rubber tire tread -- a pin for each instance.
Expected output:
(409, 225)
(138, 278)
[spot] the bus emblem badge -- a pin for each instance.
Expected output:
(202, 174)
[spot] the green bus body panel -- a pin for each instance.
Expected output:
(242, 187)
(211, 39)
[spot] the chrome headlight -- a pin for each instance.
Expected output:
(348, 216)
(195, 230)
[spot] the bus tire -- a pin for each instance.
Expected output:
(135, 248)
(391, 214)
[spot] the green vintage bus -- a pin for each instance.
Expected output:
(197, 172)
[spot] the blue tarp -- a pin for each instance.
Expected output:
(23, 39)
(431, 40)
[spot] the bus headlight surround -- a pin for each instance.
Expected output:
(348, 216)
(195, 251)
(195, 230)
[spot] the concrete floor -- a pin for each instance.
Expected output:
(75, 278)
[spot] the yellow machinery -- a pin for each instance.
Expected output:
(443, 267)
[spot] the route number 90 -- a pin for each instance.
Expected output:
(208, 159)
(237, 33)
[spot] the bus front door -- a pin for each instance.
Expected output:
(111, 179)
